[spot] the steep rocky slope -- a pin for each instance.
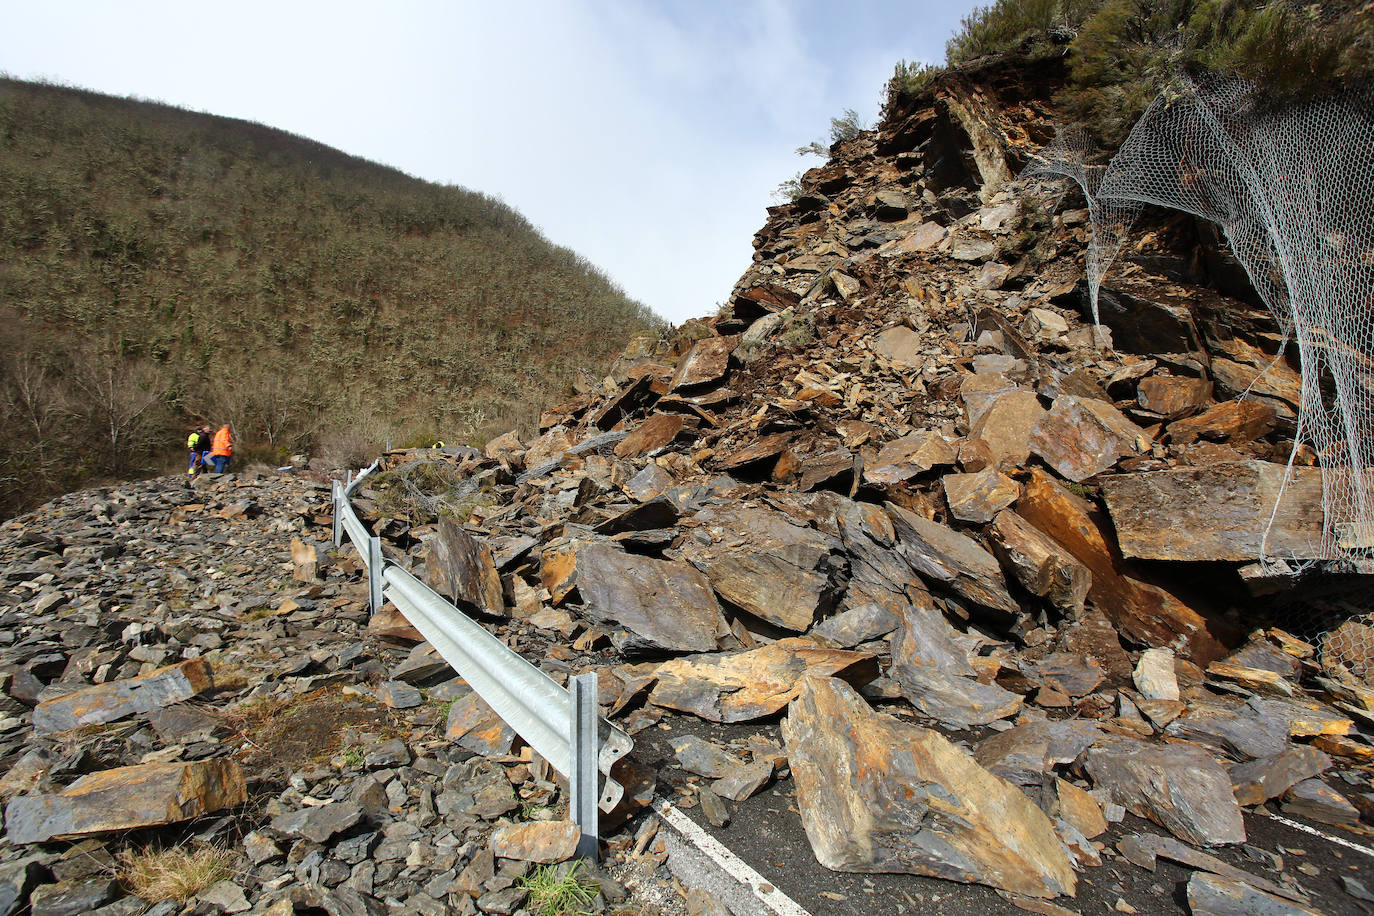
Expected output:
(894, 542)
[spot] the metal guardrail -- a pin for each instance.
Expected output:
(559, 723)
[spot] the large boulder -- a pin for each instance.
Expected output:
(879, 795)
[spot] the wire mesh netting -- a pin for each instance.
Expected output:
(1292, 188)
(1335, 616)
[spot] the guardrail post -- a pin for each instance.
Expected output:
(374, 573)
(584, 792)
(338, 518)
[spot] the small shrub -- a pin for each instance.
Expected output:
(1010, 24)
(847, 126)
(559, 890)
(174, 874)
(790, 191)
(907, 81)
(798, 332)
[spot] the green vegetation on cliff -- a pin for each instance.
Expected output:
(1121, 52)
(158, 265)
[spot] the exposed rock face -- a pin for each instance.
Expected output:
(881, 795)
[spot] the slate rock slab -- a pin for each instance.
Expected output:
(697, 755)
(661, 604)
(126, 798)
(74, 898)
(979, 496)
(1259, 780)
(1180, 787)
(1220, 511)
(1235, 730)
(476, 726)
(460, 567)
(1081, 437)
(880, 795)
(1041, 566)
(1315, 799)
(544, 842)
(318, 824)
(946, 557)
(118, 699)
(739, 686)
(1144, 613)
(760, 560)
(17, 879)
(1213, 895)
(1027, 753)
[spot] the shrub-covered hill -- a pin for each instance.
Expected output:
(158, 265)
(1120, 53)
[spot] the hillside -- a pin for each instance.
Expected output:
(159, 265)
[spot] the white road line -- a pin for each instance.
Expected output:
(1312, 830)
(732, 864)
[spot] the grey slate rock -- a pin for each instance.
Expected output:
(318, 824)
(17, 879)
(74, 898)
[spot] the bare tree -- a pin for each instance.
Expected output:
(121, 399)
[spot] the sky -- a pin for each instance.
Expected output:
(646, 136)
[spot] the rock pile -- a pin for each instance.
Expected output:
(900, 474)
(976, 578)
(187, 665)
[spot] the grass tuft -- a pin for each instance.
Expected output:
(559, 890)
(174, 874)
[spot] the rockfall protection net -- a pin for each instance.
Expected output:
(1292, 188)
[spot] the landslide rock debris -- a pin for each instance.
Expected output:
(970, 579)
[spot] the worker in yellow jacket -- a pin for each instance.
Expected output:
(222, 449)
(197, 444)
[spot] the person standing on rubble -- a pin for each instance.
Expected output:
(222, 450)
(198, 443)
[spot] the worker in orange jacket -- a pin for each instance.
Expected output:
(222, 449)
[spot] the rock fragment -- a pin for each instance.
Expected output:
(883, 796)
(542, 842)
(1181, 788)
(127, 798)
(661, 604)
(739, 686)
(118, 699)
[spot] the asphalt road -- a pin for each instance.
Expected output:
(766, 832)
